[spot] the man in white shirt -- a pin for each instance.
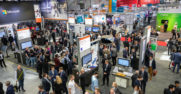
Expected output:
(72, 85)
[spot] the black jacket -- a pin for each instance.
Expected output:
(82, 79)
(167, 91)
(59, 89)
(46, 84)
(107, 70)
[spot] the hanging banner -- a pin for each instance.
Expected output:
(114, 5)
(37, 13)
(110, 6)
(84, 43)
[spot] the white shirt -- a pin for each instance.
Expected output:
(1, 56)
(71, 85)
(136, 92)
(150, 64)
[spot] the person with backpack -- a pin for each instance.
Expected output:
(19, 76)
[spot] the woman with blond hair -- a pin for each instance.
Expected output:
(58, 86)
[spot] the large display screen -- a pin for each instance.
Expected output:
(15, 12)
(95, 29)
(86, 59)
(23, 33)
(123, 62)
(26, 45)
(88, 28)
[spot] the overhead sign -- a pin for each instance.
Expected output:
(14, 12)
(23, 33)
(88, 21)
(84, 43)
(71, 20)
(37, 13)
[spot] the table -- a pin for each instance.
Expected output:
(121, 80)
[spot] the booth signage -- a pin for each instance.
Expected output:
(84, 43)
(23, 33)
(14, 12)
(37, 13)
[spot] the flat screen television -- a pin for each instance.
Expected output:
(95, 29)
(2, 34)
(26, 45)
(86, 59)
(88, 28)
(123, 62)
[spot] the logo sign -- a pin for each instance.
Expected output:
(5, 12)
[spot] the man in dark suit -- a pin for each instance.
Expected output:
(106, 72)
(177, 60)
(125, 52)
(177, 87)
(145, 78)
(52, 74)
(169, 90)
(10, 89)
(46, 83)
(82, 80)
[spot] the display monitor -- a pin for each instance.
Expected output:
(123, 62)
(2, 34)
(86, 59)
(26, 45)
(88, 28)
(95, 29)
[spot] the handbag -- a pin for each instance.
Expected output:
(155, 72)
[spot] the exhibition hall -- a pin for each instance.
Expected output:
(90, 46)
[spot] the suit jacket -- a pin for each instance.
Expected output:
(46, 84)
(167, 91)
(107, 69)
(145, 75)
(63, 77)
(125, 53)
(177, 90)
(153, 64)
(82, 79)
(177, 58)
(53, 76)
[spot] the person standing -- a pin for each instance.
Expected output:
(82, 80)
(1, 88)
(63, 76)
(46, 84)
(151, 66)
(53, 49)
(94, 81)
(169, 90)
(106, 72)
(125, 52)
(114, 54)
(58, 85)
(41, 90)
(138, 82)
(145, 79)
(169, 45)
(2, 62)
(134, 78)
(174, 34)
(19, 76)
(10, 39)
(72, 85)
(115, 88)
(39, 67)
(4, 41)
(177, 60)
(165, 26)
(177, 87)
(52, 74)
(32, 58)
(10, 88)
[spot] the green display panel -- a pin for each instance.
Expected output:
(153, 47)
(172, 18)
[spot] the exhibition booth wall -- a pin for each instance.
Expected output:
(173, 19)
